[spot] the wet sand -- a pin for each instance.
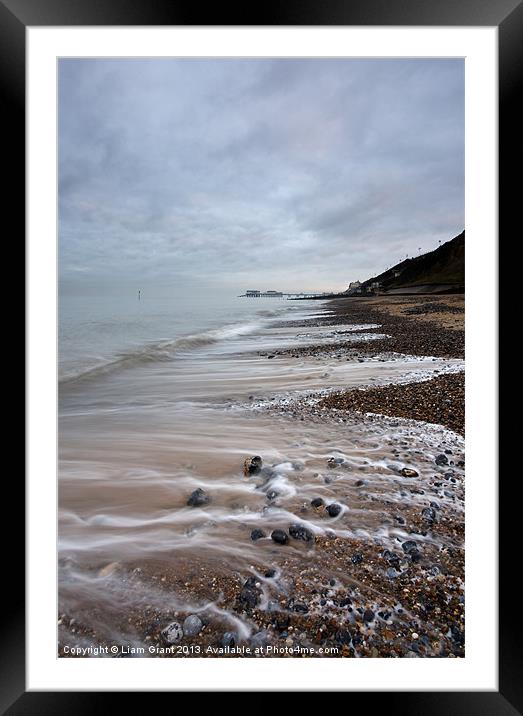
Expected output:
(371, 562)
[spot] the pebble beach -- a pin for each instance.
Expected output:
(339, 534)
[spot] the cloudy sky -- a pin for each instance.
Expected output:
(282, 174)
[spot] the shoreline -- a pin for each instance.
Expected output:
(344, 590)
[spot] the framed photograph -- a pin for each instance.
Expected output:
(262, 352)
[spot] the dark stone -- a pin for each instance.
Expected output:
(272, 495)
(335, 461)
(301, 532)
(368, 615)
(252, 465)
(408, 472)
(198, 498)
(409, 546)
(429, 514)
(228, 639)
(391, 557)
(279, 536)
(270, 573)
(257, 534)
(357, 558)
(359, 483)
(250, 594)
(415, 556)
(334, 509)
(317, 502)
(442, 460)
(297, 607)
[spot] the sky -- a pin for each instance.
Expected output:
(233, 174)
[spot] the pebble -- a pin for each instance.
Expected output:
(279, 536)
(173, 633)
(197, 498)
(429, 514)
(409, 546)
(317, 502)
(192, 625)
(228, 639)
(257, 534)
(408, 472)
(250, 594)
(334, 509)
(301, 532)
(252, 465)
(442, 460)
(368, 615)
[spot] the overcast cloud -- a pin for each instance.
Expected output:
(281, 174)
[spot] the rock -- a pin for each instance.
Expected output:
(272, 495)
(391, 573)
(279, 536)
(252, 465)
(357, 558)
(408, 472)
(391, 557)
(429, 514)
(257, 534)
(317, 502)
(229, 639)
(270, 573)
(192, 625)
(415, 556)
(409, 546)
(335, 461)
(301, 532)
(442, 460)
(250, 594)
(173, 633)
(298, 607)
(334, 509)
(360, 483)
(368, 615)
(198, 498)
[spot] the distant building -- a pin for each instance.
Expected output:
(354, 284)
(251, 293)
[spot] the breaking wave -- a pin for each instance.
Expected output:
(162, 351)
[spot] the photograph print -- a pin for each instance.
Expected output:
(261, 358)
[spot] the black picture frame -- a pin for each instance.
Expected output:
(507, 16)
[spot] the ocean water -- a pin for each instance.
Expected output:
(159, 397)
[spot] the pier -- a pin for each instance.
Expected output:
(281, 294)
